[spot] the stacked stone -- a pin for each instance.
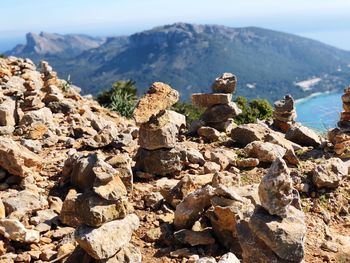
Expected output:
(220, 108)
(159, 127)
(340, 137)
(101, 210)
(284, 113)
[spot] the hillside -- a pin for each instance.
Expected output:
(268, 64)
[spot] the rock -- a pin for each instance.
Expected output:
(16, 159)
(284, 237)
(43, 115)
(264, 151)
(225, 126)
(122, 163)
(208, 100)
(159, 162)
(153, 200)
(128, 254)
(247, 133)
(104, 137)
(93, 210)
(32, 145)
(68, 214)
(194, 126)
(303, 136)
(329, 173)
(229, 258)
(2, 210)
(225, 178)
(190, 209)
(285, 105)
(208, 133)
(14, 230)
(24, 201)
(158, 98)
(105, 241)
(159, 132)
(247, 162)
(206, 260)
(8, 111)
(211, 167)
(221, 113)
(223, 157)
(194, 156)
(226, 83)
(195, 238)
(276, 189)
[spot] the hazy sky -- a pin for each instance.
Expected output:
(324, 20)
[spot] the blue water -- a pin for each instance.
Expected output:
(320, 112)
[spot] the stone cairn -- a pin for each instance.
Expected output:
(159, 127)
(98, 207)
(220, 108)
(340, 137)
(284, 113)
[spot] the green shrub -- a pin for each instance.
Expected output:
(191, 112)
(2, 56)
(121, 97)
(253, 110)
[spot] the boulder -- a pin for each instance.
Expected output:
(14, 230)
(208, 133)
(264, 151)
(160, 162)
(105, 241)
(207, 100)
(226, 83)
(221, 113)
(329, 173)
(43, 115)
(247, 133)
(159, 97)
(276, 189)
(192, 206)
(16, 159)
(93, 210)
(303, 136)
(24, 201)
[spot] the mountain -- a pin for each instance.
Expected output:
(50, 45)
(268, 63)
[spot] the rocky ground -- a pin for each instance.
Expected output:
(79, 183)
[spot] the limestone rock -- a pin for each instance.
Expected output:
(24, 201)
(68, 214)
(93, 210)
(247, 133)
(190, 209)
(160, 162)
(221, 113)
(195, 238)
(16, 159)
(15, 230)
(276, 189)
(104, 137)
(105, 241)
(208, 100)
(43, 115)
(303, 136)
(329, 173)
(229, 258)
(7, 111)
(2, 210)
(264, 151)
(208, 133)
(194, 156)
(158, 98)
(128, 254)
(226, 83)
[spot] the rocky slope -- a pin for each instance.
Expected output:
(189, 57)
(79, 183)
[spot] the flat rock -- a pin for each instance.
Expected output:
(14, 230)
(329, 173)
(276, 189)
(159, 97)
(105, 241)
(247, 133)
(303, 136)
(210, 99)
(195, 238)
(16, 159)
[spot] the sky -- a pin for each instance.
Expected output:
(323, 20)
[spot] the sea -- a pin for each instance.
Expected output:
(320, 111)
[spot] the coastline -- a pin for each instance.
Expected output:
(312, 95)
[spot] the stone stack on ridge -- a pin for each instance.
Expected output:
(340, 137)
(284, 113)
(159, 127)
(220, 108)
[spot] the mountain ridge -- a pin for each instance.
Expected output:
(267, 63)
